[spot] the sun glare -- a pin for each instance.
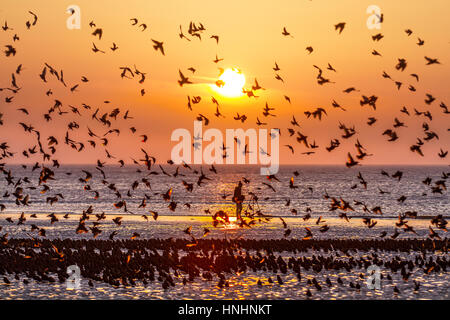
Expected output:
(230, 83)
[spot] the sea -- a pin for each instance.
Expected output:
(310, 186)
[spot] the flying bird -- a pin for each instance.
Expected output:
(158, 46)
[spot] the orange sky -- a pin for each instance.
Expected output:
(250, 39)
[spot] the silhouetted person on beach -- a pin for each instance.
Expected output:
(238, 198)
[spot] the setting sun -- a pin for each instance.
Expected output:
(230, 83)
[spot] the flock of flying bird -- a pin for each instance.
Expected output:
(46, 147)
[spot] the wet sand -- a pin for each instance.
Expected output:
(229, 263)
